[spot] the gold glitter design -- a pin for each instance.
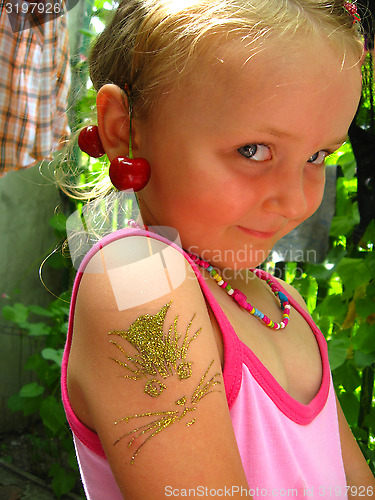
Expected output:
(168, 418)
(159, 353)
(154, 388)
(181, 401)
(202, 390)
(184, 370)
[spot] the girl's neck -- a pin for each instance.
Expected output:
(238, 277)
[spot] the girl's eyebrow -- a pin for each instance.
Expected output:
(280, 133)
(340, 141)
(290, 135)
(343, 139)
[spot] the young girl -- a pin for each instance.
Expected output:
(187, 372)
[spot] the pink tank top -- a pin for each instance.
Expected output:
(287, 448)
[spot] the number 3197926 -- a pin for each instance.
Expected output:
(33, 7)
(354, 491)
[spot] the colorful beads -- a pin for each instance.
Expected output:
(241, 298)
(351, 9)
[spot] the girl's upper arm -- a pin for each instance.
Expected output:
(152, 386)
(358, 474)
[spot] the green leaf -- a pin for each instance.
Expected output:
(28, 406)
(53, 355)
(87, 32)
(323, 322)
(72, 457)
(319, 272)
(348, 165)
(64, 328)
(370, 419)
(342, 225)
(17, 313)
(343, 202)
(338, 351)
(370, 263)
(15, 402)
(336, 253)
(31, 390)
(348, 376)
(369, 235)
(38, 329)
(59, 309)
(307, 286)
(333, 305)
(53, 415)
(63, 480)
(35, 363)
(350, 406)
(40, 311)
(99, 4)
(370, 290)
(346, 160)
(362, 359)
(364, 307)
(343, 156)
(57, 261)
(353, 273)
(364, 339)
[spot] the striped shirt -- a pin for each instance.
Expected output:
(34, 84)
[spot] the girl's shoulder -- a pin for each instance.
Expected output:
(144, 371)
(133, 271)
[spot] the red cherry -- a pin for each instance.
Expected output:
(89, 141)
(129, 173)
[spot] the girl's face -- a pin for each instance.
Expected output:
(238, 160)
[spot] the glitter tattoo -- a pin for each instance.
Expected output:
(160, 355)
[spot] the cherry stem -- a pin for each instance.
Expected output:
(130, 129)
(127, 91)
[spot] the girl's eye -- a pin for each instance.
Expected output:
(318, 157)
(256, 152)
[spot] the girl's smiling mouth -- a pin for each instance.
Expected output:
(257, 234)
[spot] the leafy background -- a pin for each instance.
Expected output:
(340, 294)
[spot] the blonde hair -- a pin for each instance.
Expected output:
(150, 44)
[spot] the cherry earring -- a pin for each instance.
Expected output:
(128, 172)
(124, 172)
(89, 141)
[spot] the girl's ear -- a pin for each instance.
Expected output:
(113, 120)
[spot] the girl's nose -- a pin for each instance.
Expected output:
(287, 197)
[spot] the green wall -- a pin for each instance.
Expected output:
(27, 202)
